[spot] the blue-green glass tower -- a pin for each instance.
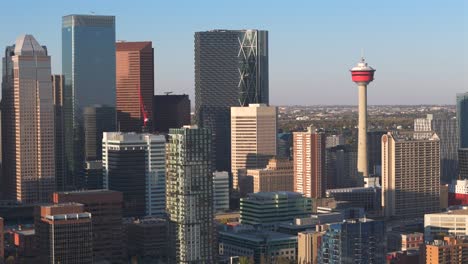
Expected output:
(462, 118)
(88, 66)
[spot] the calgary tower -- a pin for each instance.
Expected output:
(362, 75)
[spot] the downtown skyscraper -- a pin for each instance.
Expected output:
(88, 65)
(189, 196)
(28, 122)
(462, 118)
(231, 69)
(134, 86)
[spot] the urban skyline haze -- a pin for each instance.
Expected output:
(312, 45)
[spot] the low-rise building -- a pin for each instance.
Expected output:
(277, 176)
(452, 222)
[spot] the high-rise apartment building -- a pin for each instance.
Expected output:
(308, 246)
(231, 69)
(64, 233)
(446, 129)
(189, 195)
(220, 191)
(134, 164)
(309, 163)
(134, 86)
(97, 119)
(88, 66)
(61, 180)
(28, 122)
(106, 209)
(170, 111)
(278, 175)
(410, 174)
(269, 208)
(253, 138)
(462, 119)
(354, 241)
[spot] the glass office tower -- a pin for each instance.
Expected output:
(88, 65)
(462, 117)
(231, 69)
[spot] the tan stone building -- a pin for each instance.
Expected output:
(277, 176)
(309, 163)
(410, 174)
(308, 246)
(28, 122)
(253, 137)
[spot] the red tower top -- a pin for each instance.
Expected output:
(362, 73)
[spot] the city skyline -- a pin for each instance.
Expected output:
(310, 53)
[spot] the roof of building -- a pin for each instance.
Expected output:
(133, 46)
(273, 195)
(27, 45)
(259, 236)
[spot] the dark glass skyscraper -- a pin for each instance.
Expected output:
(170, 111)
(96, 120)
(462, 117)
(88, 65)
(231, 69)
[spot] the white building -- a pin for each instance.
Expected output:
(452, 222)
(155, 168)
(220, 191)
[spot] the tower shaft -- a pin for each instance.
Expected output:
(362, 165)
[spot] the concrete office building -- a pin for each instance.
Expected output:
(97, 119)
(134, 86)
(341, 167)
(253, 137)
(28, 123)
(106, 209)
(453, 222)
(170, 111)
(147, 239)
(446, 129)
(190, 179)
(269, 208)
(259, 246)
(239, 60)
(410, 174)
(220, 191)
(446, 250)
(334, 140)
(277, 176)
(354, 241)
(88, 65)
(64, 233)
(143, 157)
(374, 151)
(364, 197)
(308, 246)
(309, 163)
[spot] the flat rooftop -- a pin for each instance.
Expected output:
(259, 236)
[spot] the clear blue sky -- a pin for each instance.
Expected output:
(418, 47)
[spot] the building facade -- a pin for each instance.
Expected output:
(309, 163)
(220, 191)
(446, 129)
(447, 250)
(269, 208)
(239, 60)
(365, 197)
(374, 150)
(62, 180)
(277, 176)
(341, 167)
(88, 66)
(253, 138)
(143, 157)
(462, 120)
(410, 174)
(189, 196)
(453, 222)
(64, 233)
(170, 111)
(28, 123)
(96, 120)
(354, 241)
(308, 247)
(134, 86)
(106, 209)
(148, 238)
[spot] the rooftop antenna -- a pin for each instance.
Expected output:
(92, 13)
(168, 93)
(362, 54)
